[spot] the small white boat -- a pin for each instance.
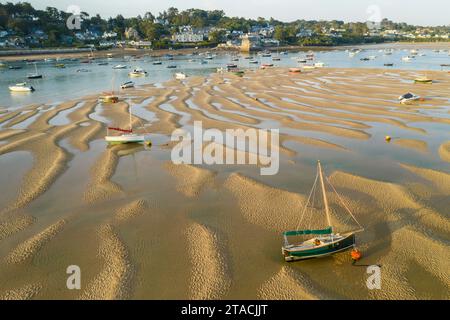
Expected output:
(127, 135)
(319, 64)
(126, 85)
(180, 76)
(408, 98)
(21, 87)
(138, 72)
(120, 66)
(372, 57)
(308, 67)
(407, 58)
(157, 63)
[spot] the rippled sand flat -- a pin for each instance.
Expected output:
(135, 223)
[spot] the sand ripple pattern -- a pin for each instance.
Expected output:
(209, 276)
(271, 208)
(288, 284)
(26, 292)
(191, 180)
(28, 248)
(115, 279)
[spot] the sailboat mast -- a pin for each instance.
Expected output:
(325, 200)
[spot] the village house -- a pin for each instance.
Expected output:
(132, 34)
(187, 34)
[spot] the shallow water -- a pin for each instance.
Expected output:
(64, 84)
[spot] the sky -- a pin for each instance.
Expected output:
(418, 12)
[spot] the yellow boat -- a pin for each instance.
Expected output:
(423, 80)
(109, 98)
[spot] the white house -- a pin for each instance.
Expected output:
(186, 34)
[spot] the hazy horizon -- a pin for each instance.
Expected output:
(424, 13)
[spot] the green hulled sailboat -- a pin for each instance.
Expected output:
(321, 242)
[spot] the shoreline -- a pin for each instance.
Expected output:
(79, 53)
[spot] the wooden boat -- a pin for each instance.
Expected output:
(321, 242)
(295, 70)
(60, 65)
(180, 76)
(109, 98)
(126, 85)
(138, 72)
(423, 80)
(2, 65)
(21, 87)
(127, 135)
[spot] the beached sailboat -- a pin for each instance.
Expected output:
(109, 97)
(127, 135)
(321, 242)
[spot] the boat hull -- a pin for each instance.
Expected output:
(345, 243)
(124, 139)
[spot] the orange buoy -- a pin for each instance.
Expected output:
(356, 255)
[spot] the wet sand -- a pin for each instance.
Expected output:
(136, 223)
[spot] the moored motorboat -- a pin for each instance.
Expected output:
(126, 85)
(21, 87)
(180, 76)
(408, 98)
(138, 72)
(120, 66)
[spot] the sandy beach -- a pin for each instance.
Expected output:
(136, 224)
